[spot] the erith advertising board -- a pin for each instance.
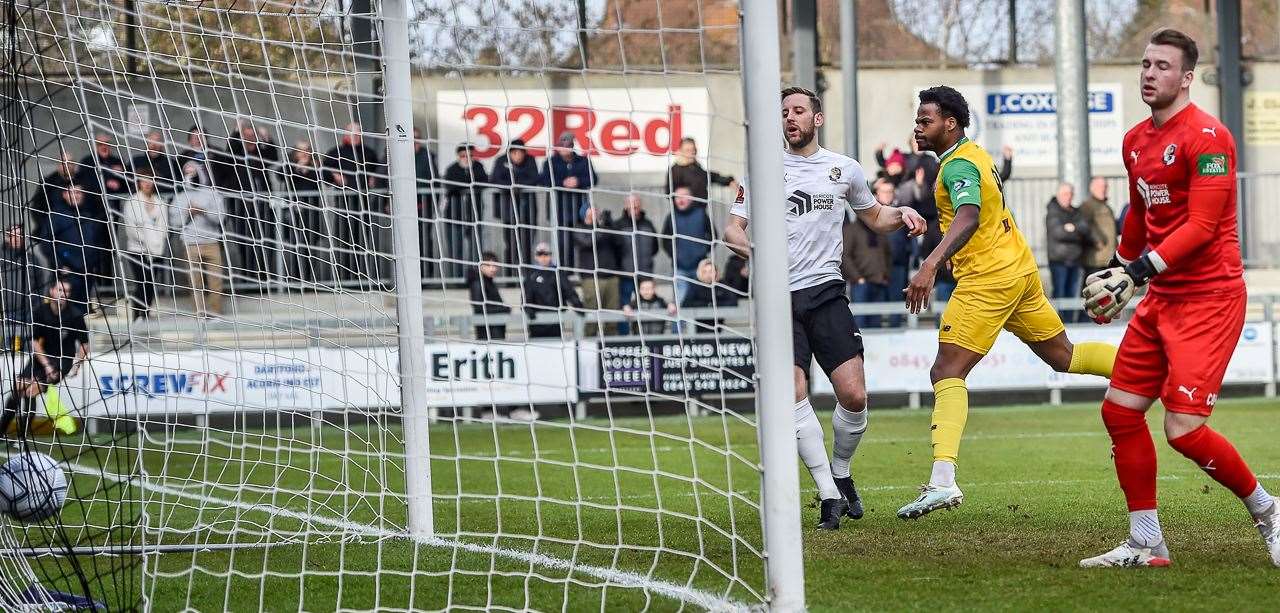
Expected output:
(1025, 117)
(620, 129)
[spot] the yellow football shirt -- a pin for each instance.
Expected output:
(997, 252)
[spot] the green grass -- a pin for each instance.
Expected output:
(1039, 485)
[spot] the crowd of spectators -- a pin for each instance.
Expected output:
(255, 211)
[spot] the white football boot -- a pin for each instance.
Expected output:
(1268, 524)
(1130, 555)
(932, 498)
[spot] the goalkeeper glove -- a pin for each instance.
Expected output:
(1106, 292)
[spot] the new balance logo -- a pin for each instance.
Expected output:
(1191, 393)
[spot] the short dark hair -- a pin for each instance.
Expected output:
(814, 101)
(690, 140)
(488, 256)
(1184, 43)
(950, 103)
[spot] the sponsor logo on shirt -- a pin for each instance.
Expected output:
(803, 203)
(1211, 165)
(1169, 154)
(1153, 194)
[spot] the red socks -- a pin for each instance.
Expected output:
(1218, 458)
(1134, 453)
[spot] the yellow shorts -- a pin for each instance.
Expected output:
(974, 315)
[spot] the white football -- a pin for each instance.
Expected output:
(32, 487)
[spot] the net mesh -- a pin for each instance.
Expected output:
(207, 184)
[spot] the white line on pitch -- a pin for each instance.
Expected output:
(682, 593)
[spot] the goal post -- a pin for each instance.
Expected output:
(412, 367)
(775, 394)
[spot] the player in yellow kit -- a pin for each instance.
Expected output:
(997, 287)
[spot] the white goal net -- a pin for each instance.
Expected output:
(252, 204)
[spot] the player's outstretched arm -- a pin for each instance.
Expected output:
(885, 219)
(921, 286)
(735, 236)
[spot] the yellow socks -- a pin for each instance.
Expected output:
(950, 411)
(1093, 359)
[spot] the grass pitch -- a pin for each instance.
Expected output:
(593, 502)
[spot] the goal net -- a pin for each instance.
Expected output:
(388, 306)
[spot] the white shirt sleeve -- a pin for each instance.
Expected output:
(739, 208)
(859, 193)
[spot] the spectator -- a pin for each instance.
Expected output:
(426, 172)
(686, 239)
(514, 204)
(737, 274)
(687, 172)
(918, 192)
(305, 227)
(571, 177)
(24, 272)
(146, 230)
(352, 169)
(892, 168)
(598, 248)
(485, 299)
(637, 245)
(647, 300)
(464, 182)
(156, 163)
(59, 345)
(76, 241)
(52, 185)
(546, 290)
(706, 293)
(197, 214)
(1069, 234)
(901, 246)
(109, 178)
(1102, 224)
(214, 163)
(866, 262)
(1006, 163)
(249, 205)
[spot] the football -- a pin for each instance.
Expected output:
(32, 487)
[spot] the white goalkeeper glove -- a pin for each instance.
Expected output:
(1106, 292)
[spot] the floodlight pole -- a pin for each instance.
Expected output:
(775, 396)
(1072, 94)
(398, 106)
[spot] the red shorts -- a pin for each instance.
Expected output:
(1178, 351)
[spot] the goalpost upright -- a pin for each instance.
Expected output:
(780, 511)
(408, 274)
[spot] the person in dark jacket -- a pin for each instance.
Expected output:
(464, 182)
(108, 170)
(547, 290)
(637, 245)
(156, 163)
(706, 293)
(75, 241)
(865, 265)
(737, 274)
(251, 220)
(426, 173)
(67, 171)
(687, 172)
(516, 205)
(25, 273)
(686, 239)
(598, 247)
(571, 177)
(1069, 235)
(485, 299)
(351, 168)
(647, 305)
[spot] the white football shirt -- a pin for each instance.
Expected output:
(820, 189)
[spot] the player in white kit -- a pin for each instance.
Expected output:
(821, 186)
